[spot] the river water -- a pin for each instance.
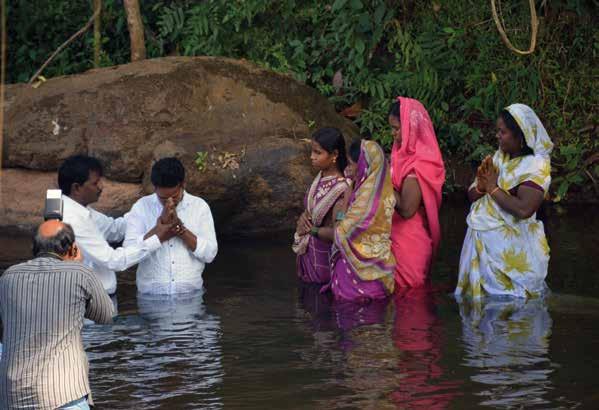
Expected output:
(258, 339)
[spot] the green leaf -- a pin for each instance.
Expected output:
(364, 23)
(338, 5)
(379, 13)
(360, 46)
(577, 179)
(563, 188)
(356, 4)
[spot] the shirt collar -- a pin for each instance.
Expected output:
(48, 255)
(75, 206)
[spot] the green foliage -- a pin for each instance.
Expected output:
(201, 160)
(446, 54)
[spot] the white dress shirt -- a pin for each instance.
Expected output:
(173, 268)
(93, 230)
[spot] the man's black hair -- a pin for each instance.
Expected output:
(76, 170)
(167, 173)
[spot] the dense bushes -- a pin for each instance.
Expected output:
(363, 53)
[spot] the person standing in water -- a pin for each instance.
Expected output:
(43, 303)
(505, 251)
(362, 262)
(314, 232)
(418, 174)
(177, 266)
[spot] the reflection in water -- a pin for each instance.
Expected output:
(352, 339)
(327, 314)
(383, 365)
(317, 305)
(167, 355)
(317, 311)
(323, 362)
(332, 323)
(418, 334)
(507, 341)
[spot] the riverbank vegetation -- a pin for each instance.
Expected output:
(361, 54)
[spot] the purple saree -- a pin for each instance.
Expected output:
(313, 254)
(362, 262)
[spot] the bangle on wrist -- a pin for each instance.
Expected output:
(314, 231)
(494, 190)
(477, 191)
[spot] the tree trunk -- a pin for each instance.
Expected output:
(136, 30)
(97, 34)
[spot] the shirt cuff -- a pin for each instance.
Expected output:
(152, 243)
(201, 249)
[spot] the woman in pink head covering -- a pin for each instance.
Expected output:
(418, 174)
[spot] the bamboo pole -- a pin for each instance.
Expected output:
(97, 33)
(2, 81)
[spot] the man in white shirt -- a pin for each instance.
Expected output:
(178, 265)
(80, 179)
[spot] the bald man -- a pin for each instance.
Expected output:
(42, 306)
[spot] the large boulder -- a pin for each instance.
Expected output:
(22, 194)
(249, 125)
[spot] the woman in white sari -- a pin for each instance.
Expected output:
(505, 251)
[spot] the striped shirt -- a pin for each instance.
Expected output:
(42, 306)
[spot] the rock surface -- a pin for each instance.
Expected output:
(251, 126)
(22, 194)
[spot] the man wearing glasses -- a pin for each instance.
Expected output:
(177, 266)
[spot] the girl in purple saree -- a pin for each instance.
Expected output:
(314, 234)
(362, 261)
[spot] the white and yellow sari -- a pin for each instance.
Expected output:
(503, 254)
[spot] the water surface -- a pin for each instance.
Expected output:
(259, 339)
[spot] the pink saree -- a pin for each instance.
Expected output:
(415, 240)
(313, 254)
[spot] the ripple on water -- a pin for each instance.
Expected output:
(168, 353)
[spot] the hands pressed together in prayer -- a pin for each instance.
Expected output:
(486, 176)
(168, 224)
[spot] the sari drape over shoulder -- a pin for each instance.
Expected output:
(313, 254)
(503, 254)
(362, 261)
(415, 240)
